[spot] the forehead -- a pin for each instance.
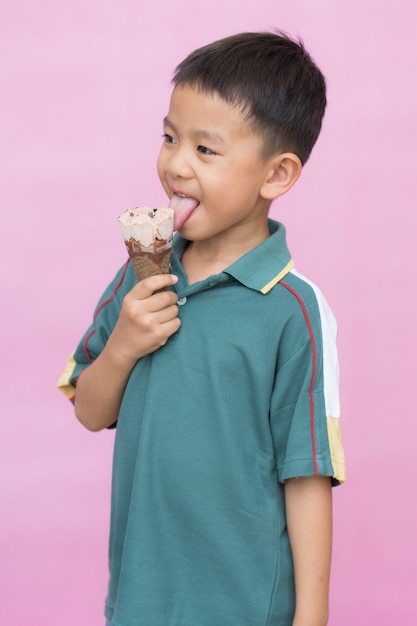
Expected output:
(196, 109)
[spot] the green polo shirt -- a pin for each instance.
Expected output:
(241, 398)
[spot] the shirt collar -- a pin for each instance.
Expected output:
(264, 266)
(261, 268)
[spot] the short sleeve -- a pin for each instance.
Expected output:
(305, 401)
(95, 338)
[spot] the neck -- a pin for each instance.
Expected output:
(211, 256)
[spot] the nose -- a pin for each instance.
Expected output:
(177, 164)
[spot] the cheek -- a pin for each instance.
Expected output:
(160, 168)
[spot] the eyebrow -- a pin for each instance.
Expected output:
(211, 135)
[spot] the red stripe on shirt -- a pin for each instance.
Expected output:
(313, 373)
(103, 304)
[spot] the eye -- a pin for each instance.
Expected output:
(204, 150)
(168, 138)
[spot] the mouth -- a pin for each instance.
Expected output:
(183, 206)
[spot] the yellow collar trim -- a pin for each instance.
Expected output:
(278, 277)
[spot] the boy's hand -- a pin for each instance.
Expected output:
(147, 319)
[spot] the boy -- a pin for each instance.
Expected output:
(223, 387)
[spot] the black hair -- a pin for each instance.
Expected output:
(271, 78)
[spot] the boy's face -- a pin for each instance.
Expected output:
(210, 166)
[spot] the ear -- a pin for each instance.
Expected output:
(283, 171)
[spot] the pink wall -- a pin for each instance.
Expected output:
(84, 86)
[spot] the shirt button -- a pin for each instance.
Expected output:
(182, 301)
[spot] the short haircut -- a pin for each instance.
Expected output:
(272, 79)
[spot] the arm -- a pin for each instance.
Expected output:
(309, 520)
(146, 321)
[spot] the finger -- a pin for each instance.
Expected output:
(165, 330)
(171, 327)
(167, 314)
(148, 286)
(136, 307)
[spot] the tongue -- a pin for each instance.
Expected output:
(182, 207)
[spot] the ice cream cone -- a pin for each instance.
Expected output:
(147, 234)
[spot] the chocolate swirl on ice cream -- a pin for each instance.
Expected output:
(147, 234)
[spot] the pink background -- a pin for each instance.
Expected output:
(84, 86)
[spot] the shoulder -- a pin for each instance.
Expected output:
(309, 298)
(309, 319)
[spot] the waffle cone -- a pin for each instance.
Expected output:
(150, 263)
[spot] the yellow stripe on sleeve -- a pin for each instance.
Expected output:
(336, 449)
(64, 384)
